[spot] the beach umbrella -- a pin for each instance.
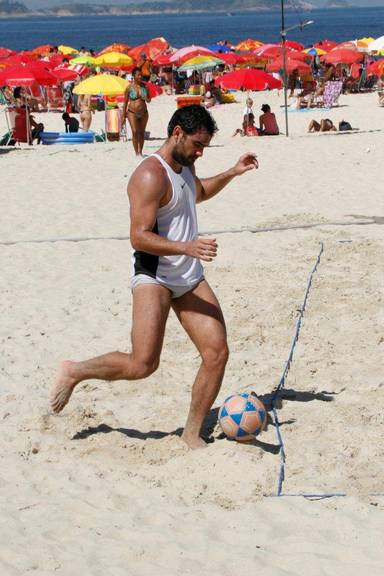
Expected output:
(231, 58)
(222, 48)
(349, 45)
(270, 51)
(376, 68)
(290, 65)
(85, 60)
(114, 60)
(248, 79)
(152, 48)
(119, 47)
(42, 50)
(17, 59)
(183, 54)
(294, 45)
(377, 45)
(23, 76)
(67, 50)
(314, 51)
(200, 63)
(248, 45)
(80, 69)
(342, 57)
(64, 74)
(103, 84)
(326, 45)
(163, 60)
(6, 52)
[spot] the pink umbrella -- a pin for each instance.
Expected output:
(248, 79)
(184, 54)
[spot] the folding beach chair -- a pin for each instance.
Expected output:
(55, 99)
(18, 125)
(332, 91)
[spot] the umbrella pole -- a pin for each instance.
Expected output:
(283, 39)
(105, 116)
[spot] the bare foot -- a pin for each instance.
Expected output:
(63, 387)
(193, 442)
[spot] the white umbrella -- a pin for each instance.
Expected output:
(376, 45)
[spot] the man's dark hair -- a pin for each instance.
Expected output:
(135, 69)
(191, 119)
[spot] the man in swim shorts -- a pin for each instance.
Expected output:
(167, 269)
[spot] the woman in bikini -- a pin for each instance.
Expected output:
(84, 105)
(135, 109)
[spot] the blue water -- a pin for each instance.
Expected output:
(184, 29)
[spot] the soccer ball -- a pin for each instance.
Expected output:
(242, 417)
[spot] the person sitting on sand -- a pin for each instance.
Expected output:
(71, 123)
(249, 128)
(326, 125)
(267, 122)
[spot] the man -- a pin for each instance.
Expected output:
(163, 192)
(145, 65)
(267, 122)
(71, 123)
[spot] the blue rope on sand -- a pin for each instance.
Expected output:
(285, 374)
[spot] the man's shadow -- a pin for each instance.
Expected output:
(211, 421)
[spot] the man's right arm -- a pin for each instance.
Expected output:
(147, 189)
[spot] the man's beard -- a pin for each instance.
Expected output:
(181, 158)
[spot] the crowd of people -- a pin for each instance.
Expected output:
(308, 89)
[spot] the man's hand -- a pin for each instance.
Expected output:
(245, 163)
(202, 248)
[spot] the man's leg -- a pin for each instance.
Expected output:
(200, 315)
(151, 306)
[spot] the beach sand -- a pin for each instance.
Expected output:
(107, 488)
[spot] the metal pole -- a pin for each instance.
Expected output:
(283, 38)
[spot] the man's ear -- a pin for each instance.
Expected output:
(177, 133)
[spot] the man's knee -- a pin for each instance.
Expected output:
(146, 366)
(216, 355)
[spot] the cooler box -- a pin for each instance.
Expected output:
(188, 101)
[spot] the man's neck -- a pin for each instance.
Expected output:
(166, 154)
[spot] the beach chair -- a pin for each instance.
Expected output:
(332, 91)
(55, 99)
(18, 125)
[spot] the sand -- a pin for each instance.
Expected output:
(107, 487)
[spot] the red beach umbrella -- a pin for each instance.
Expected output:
(42, 50)
(248, 79)
(376, 68)
(342, 57)
(119, 47)
(294, 45)
(23, 76)
(152, 48)
(248, 45)
(6, 52)
(326, 45)
(231, 59)
(290, 65)
(163, 60)
(64, 74)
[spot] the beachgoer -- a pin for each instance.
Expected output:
(248, 107)
(84, 106)
(135, 109)
(21, 100)
(71, 123)
(248, 128)
(267, 122)
(163, 192)
(325, 125)
(145, 65)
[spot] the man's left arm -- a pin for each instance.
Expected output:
(206, 188)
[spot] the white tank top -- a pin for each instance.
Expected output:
(176, 221)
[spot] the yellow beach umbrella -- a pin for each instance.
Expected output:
(114, 59)
(67, 50)
(84, 60)
(201, 62)
(105, 84)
